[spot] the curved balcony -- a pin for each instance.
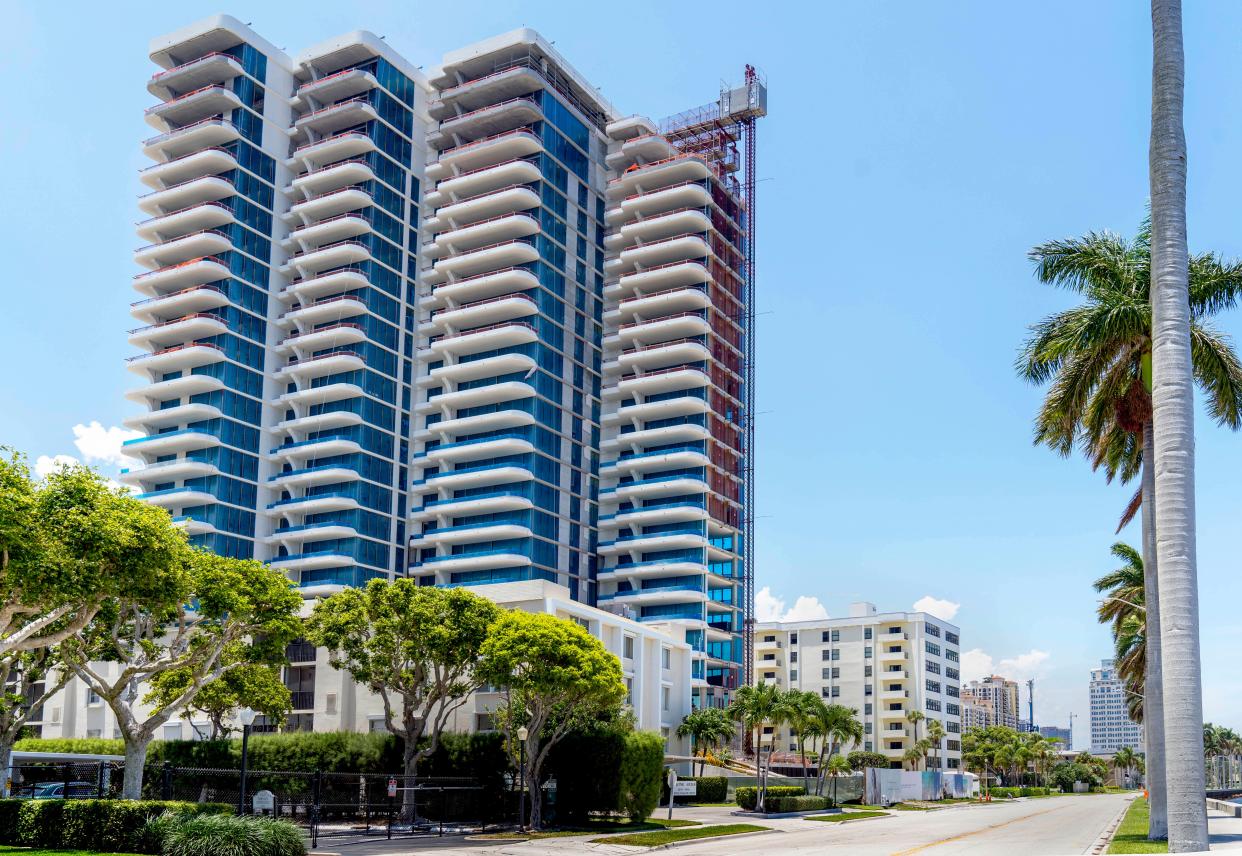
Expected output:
(178, 171)
(485, 179)
(187, 328)
(313, 561)
(659, 227)
(331, 119)
(673, 301)
(185, 440)
(640, 543)
(683, 512)
(180, 387)
(206, 188)
(691, 194)
(654, 488)
(663, 330)
(198, 104)
(204, 134)
(475, 477)
(321, 394)
(659, 356)
(495, 86)
(444, 509)
(472, 424)
(342, 227)
(330, 203)
(312, 476)
(334, 362)
(304, 533)
(501, 335)
(483, 286)
(491, 394)
(659, 278)
(473, 450)
(485, 561)
(341, 254)
(653, 461)
(504, 255)
(501, 364)
(334, 87)
(348, 144)
(326, 283)
(321, 448)
(470, 533)
(182, 414)
(177, 358)
(683, 593)
(485, 206)
(166, 471)
(659, 253)
(506, 145)
(164, 282)
(334, 335)
(490, 311)
(314, 504)
(318, 422)
(214, 67)
(675, 169)
(645, 148)
(482, 233)
(177, 497)
(327, 309)
(187, 302)
(633, 414)
(334, 176)
(486, 121)
(685, 433)
(668, 379)
(186, 248)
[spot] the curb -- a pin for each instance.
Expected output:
(1106, 837)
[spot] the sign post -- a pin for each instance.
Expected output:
(263, 802)
(672, 788)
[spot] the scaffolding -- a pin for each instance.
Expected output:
(723, 135)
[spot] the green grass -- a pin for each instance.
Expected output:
(909, 807)
(593, 826)
(1131, 836)
(846, 816)
(26, 851)
(861, 807)
(670, 836)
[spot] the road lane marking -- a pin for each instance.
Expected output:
(959, 837)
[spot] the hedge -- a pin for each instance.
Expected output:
(642, 771)
(110, 825)
(748, 797)
(803, 802)
(711, 789)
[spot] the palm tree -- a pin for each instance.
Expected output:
(913, 756)
(838, 766)
(838, 725)
(707, 728)
(803, 711)
(935, 733)
(757, 707)
(1124, 760)
(1173, 403)
(1098, 359)
(1125, 608)
(914, 717)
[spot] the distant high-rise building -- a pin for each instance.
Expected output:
(1111, 725)
(1062, 735)
(991, 701)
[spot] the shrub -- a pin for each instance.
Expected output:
(748, 797)
(860, 760)
(39, 823)
(89, 824)
(582, 789)
(642, 770)
(803, 802)
(224, 835)
(9, 811)
(711, 789)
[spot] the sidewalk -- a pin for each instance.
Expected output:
(1225, 832)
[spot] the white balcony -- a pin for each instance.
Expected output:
(481, 313)
(318, 286)
(444, 509)
(491, 204)
(321, 394)
(654, 596)
(307, 449)
(186, 248)
(660, 278)
(483, 180)
(476, 478)
(180, 387)
(328, 120)
(659, 174)
(886, 656)
(642, 411)
(450, 564)
(487, 285)
(178, 330)
(471, 535)
(651, 461)
(474, 450)
(311, 562)
(324, 364)
(639, 543)
(329, 204)
(182, 414)
(493, 231)
(349, 144)
(210, 100)
(645, 148)
(336, 86)
(174, 173)
(166, 471)
(651, 571)
(179, 304)
(659, 253)
(654, 488)
(342, 227)
(667, 329)
(166, 281)
(314, 504)
(194, 527)
(318, 421)
(188, 76)
(500, 364)
(192, 138)
(657, 436)
(502, 335)
(171, 443)
(674, 301)
(486, 121)
(450, 428)
(653, 383)
(490, 258)
(292, 535)
(177, 358)
(689, 195)
(329, 256)
(334, 335)
(468, 156)
(332, 177)
(495, 393)
(659, 227)
(207, 188)
(314, 476)
(651, 358)
(321, 311)
(654, 516)
(177, 497)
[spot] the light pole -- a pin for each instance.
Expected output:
(246, 717)
(522, 733)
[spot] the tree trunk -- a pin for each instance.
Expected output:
(805, 777)
(6, 758)
(1173, 405)
(135, 760)
(531, 776)
(1153, 687)
(409, 769)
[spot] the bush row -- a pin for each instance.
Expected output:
(1011, 793)
(111, 825)
(748, 797)
(226, 835)
(711, 789)
(624, 774)
(803, 802)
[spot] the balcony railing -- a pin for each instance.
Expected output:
(168, 135)
(176, 293)
(160, 74)
(173, 349)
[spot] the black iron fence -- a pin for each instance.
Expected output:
(72, 781)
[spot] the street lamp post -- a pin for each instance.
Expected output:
(522, 734)
(246, 717)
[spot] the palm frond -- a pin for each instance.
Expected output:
(1215, 284)
(1131, 509)
(1218, 372)
(1097, 261)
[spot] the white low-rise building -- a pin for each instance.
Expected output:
(882, 664)
(656, 667)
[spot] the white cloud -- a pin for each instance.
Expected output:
(978, 664)
(943, 609)
(45, 466)
(769, 607)
(103, 445)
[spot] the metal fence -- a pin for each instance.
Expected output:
(1224, 772)
(79, 780)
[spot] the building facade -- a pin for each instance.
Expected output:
(883, 665)
(655, 665)
(1111, 725)
(1064, 736)
(470, 326)
(992, 701)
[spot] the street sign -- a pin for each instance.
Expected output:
(392, 787)
(264, 802)
(685, 789)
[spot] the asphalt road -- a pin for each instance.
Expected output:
(1037, 827)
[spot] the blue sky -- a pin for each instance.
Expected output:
(913, 153)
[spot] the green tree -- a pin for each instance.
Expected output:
(1124, 760)
(555, 676)
(707, 728)
(257, 686)
(757, 707)
(935, 734)
(641, 775)
(1097, 361)
(415, 647)
(1124, 608)
(839, 726)
(804, 709)
(69, 545)
(27, 680)
(863, 760)
(837, 767)
(204, 607)
(914, 717)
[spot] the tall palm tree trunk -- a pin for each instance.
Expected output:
(1153, 691)
(1173, 402)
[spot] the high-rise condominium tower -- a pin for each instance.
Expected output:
(468, 327)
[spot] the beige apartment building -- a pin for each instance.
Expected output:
(882, 664)
(991, 701)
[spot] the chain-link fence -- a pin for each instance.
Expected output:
(82, 780)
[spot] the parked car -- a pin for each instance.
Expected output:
(56, 791)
